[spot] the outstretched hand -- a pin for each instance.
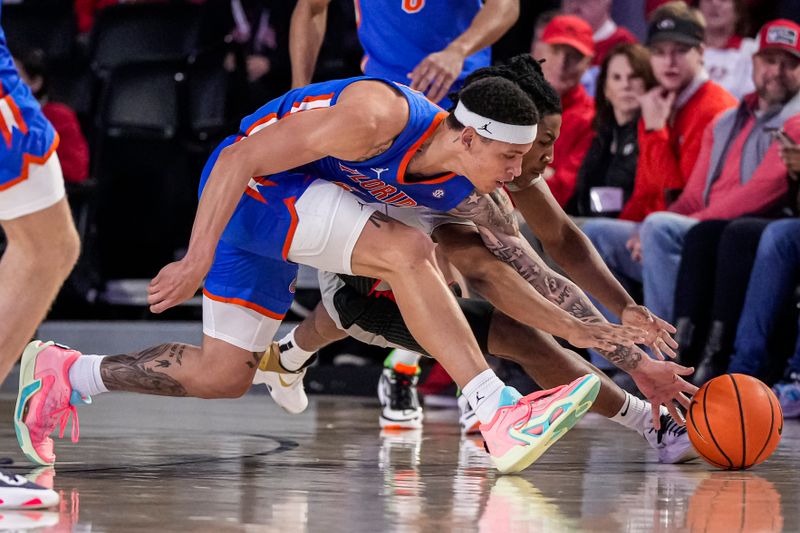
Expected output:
(602, 335)
(658, 332)
(174, 284)
(662, 383)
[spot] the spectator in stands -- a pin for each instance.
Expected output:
(567, 49)
(544, 18)
(606, 33)
(728, 54)
(605, 179)
(719, 255)
(769, 295)
(675, 113)
(736, 174)
(73, 150)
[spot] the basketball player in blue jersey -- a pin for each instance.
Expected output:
(298, 184)
(42, 244)
(358, 307)
(430, 45)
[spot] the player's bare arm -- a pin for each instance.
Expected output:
(493, 214)
(436, 73)
(497, 225)
(367, 116)
(573, 251)
(306, 33)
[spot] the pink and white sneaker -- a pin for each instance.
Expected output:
(523, 428)
(45, 399)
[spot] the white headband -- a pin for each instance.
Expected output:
(493, 129)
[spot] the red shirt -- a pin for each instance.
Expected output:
(668, 156)
(573, 143)
(728, 197)
(73, 150)
(602, 48)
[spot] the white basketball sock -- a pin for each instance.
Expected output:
(483, 394)
(633, 414)
(292, 356)
(84, 375)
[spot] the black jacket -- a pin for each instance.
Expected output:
(610, 162)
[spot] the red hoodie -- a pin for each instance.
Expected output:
(667, 156)
(573, 143)
(73, 150)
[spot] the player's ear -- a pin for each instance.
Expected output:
(468, 137)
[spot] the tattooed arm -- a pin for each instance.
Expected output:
(493, 215)
(573, 252)
(497, 225)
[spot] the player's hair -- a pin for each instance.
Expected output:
(499, 99)
(526, 73)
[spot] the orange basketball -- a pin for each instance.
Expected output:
(735, 421)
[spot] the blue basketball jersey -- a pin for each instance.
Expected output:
(381, 179)
(397, 34)
(26, 136)
(251, 266)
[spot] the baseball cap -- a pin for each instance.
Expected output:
(678, 29)
(572, 31)
(780, 34)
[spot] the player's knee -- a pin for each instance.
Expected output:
(220, 387)
(222, 372)
(69, 247)
(411, 249)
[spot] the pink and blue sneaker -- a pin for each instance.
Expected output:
(523, 428)
(45, 399)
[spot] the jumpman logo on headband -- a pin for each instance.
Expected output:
(485, 127)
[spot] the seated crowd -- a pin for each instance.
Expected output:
(687, 184)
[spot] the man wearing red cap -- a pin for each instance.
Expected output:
(568, 49)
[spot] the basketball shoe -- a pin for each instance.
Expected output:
(45, 399)
(523, 428)
(16, 492)
(468, 419)
(285, 386)
(397, 392)
(671, 441)
(788, 394)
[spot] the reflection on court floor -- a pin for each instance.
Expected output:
(162, 464)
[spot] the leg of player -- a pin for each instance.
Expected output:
(284, 365)
(42, 249)
(549, 364)
(434, 318)
(67, 378)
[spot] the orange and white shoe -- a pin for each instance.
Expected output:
(45, 399)
(523, 428)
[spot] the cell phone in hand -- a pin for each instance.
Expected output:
(781, 136)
